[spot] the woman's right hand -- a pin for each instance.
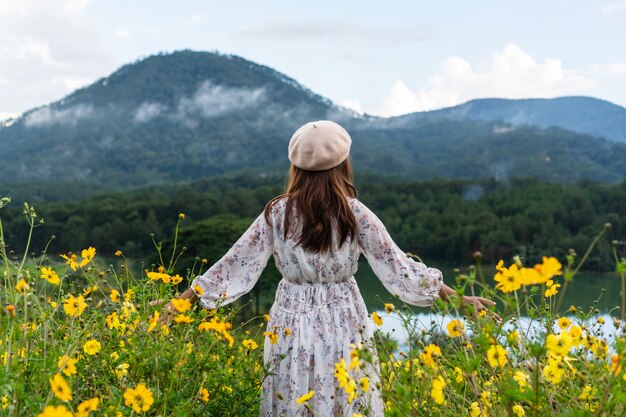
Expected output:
(167, 314)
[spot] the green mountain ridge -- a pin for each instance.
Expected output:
(189, 115)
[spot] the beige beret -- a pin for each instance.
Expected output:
(319, 145)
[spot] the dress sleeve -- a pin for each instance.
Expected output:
(411, 281)
(239, 269)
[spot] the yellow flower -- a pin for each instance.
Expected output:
(474, 410)
(553, 372)
(128, 295)
(266, 317)
(49, 275)
(60, 388)
(364, 383)
(182, 305)
(496, 356)
(430, 355)
(181, 318)
(250, 344)
(522, 379)
(67, 365)
(559, 345)
(600, 320)
(115, 296)
(181, 216)
(139, 398)
(273, 337)
(176, 279)
(508, 279)
(377, 319)
(203, 394)
(118, 253)
(74, 306)
(389, 308)
(91, 347)
(551, 288)
(121, 370)
(153, 321)
(306, 397)
(87, 255)
(22, 286)
(518, 410)
(436, 392)
(549, 268)
(55, 411)
(87, 407)
(458, 374)
(455, 328)
(287, 331)
(5, 402)
(564, 323)
(198, 289)
(71, 260)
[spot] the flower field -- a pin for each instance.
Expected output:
(79, 338)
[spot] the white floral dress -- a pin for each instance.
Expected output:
(319, 301)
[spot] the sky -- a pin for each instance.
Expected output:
(380, 58)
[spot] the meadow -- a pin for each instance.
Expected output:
(79, 337)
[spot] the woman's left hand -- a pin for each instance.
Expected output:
(479, 304)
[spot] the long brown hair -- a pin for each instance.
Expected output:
(322, 206)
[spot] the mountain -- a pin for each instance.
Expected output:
(189, 115)
(579, 114)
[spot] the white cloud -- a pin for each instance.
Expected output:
(279, 30)
(148, 111)
(194, 19)
(122, 33)
(511, 73)
(48, 49)
(614, 7)
(46, 116)
(355, 105)
(212, 100)
(618, 70)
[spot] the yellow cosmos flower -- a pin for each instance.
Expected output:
(67, 365)
(118, 253)
(287, 331)
(49, 275)
(496, 356)
(139, 398)
(87, 407)
(508, 279)
(553, 372)
(250, 344)
(91, 347)
(518, 410)
(203, 394)
(181, 318)
(430, 355)
(181, 216)
(71, 260)
(60, 388)
(474, 410)
(87, 255)
(306, 397)
(559, 345)
(564, 323)
(364, 383)
(121, 370)
(436, 393)
(273, 337)
(55, 411)
(22, 286)
(389, 308)
(551, 288)
(176, 279)
(181, 305)
(549, 267)
(455, 328)
(377, 319)
(74, 306)
(198, 289)
(153, 321)
(115, 296)
(522, 379)
(5, 402)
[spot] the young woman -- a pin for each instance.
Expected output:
(316, 231)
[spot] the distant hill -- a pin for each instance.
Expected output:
(579, 114)
(190, 115)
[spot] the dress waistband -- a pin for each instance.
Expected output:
(307, 297)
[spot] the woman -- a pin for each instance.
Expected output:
(316, 231)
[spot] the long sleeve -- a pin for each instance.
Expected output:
(239, 269)
(412, 281)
